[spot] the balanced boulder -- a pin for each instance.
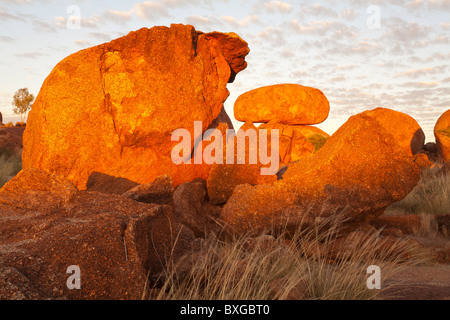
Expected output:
(356, 175)
(112, 108)
(442, 135)
(287, 103)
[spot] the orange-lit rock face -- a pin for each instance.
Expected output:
(223, 178)
(287, 103)
(253, 209)
(361, 165)
(442, 135)
(297, 142)
(358, 173)
(405, 130)
(112, 108)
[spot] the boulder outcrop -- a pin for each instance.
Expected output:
(47, 226)
(112, 108)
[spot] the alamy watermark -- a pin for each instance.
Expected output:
(213, 153)
(374, 280)
(74, 281)
(74, 20)
(374, 20)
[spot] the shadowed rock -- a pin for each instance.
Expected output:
(159, 191)
(116, 242)
(104, 183)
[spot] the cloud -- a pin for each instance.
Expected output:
(43, 26)
(348, 14)
(277, 7)
(7, 39)
(422, 84)
(287, 53)
(30, 54)
(241, 23)
(83, 43)
(322, 28)
(5, 15)
(445, 26)
(275, 36)
(101, 36)
(151, 11)
(425, 71)
(25, 1)
(120, 17)
(403, 31)
(317, 10)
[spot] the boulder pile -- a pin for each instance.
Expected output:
(100, 190)
(288, 108)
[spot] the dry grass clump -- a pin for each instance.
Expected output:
(307, 265)
(10, 165)
(429, 198)
(317, 141)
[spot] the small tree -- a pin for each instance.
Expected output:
(22, 103)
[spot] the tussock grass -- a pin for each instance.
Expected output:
(246, 268)
(430, 197)
(10, 165)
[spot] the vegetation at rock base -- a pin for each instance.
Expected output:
(317, 141)
(10, 165)
(304, 264)
(445, 132)
(430, 196)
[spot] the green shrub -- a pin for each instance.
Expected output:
(317, 141)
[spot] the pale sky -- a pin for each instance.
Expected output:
(361, 54)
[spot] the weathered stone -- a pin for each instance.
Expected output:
(287, 103)
(359, 172)
(104, 183)
(255, 209)
(33, 189)
(116, 242)
(223, 178)
(405, 131)
(442, 135)
(112, 108)
(159, 191)
(191, 207)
